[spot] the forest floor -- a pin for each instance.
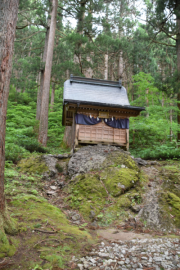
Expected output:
(53, 236)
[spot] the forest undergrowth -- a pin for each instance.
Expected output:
(22, 127)
(152, 134)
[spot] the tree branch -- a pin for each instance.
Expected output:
(22, 27)
(29, 36)
(162, 43)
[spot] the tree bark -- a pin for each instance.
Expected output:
(106, 67)
(147, 101)
(43, 127)
(121, 65)
(171, 119)
(40, 89)
(178, 64)
(52, 96)
(8, 15)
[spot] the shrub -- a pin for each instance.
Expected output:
(160, 152)
(30, 144)
(14, 152)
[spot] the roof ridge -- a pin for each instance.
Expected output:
(94, 81)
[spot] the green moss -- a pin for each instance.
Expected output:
(117, 158)
(41, 209)
(171, 206)
(33, 164)
(87, 193)
(117, 181)
(6, 249)
(171, 177)
(174, 201)
(105, 191)
(4, 244)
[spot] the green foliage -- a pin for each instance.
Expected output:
(14, 153)
(22, 126)
(159, 152)
(30, 144)
(152, 134)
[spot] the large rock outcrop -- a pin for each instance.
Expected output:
(105, 180)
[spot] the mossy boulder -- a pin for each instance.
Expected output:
(117, 180)
(120, 159)
(108, 188)
(170, 204)
(33, 164)
(87, 193)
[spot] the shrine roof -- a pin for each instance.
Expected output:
(94, 91)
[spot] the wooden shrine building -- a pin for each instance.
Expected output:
(96, 111)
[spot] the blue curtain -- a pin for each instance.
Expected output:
(117, 123)
(87, 120)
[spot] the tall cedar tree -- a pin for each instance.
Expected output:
(8, 15)
(43, 126)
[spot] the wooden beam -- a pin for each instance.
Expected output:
(99, 108)
(101, 142)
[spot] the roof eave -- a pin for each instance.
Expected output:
(129, 107)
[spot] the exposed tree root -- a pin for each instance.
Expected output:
(7, 226)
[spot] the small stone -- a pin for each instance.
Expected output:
(121, 186)
(80, 266)
(76, 217)
(61, 184)
(92, 214)
(121, 262)
(53, 187)
(157, 259)
(49, 192)
(94, 224)
(136, 208)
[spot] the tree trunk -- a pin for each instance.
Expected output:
(171, 118)
(8, 15)
(147, 101)
(178, 67)
(88, 72)
(106, 67)
(40, 89)
(52, 96)
(67, 74)
(43, 127)
(120, 69)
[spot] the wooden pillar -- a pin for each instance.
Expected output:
(73, 132)
(127, 139)
(76, 135)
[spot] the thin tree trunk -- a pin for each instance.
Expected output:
(43, 127)
(162, 100)
(8, 15)
(171, 118)
(178, 64)
(40, 89)
(67, 74)
(147, 101)
(106, 67)
(88, 72)
(52, 96)
(121, 65)
(112, 72)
